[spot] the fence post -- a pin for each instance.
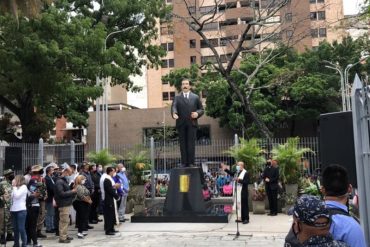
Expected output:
(73, 149)
(41, 152)
(152, 163)
(236, 140)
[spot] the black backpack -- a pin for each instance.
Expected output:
(291, 239)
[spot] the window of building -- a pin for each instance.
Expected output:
(168, 1)
(165, 30)
(289, 33)
(314, 33)
(165, 96)
(322, 32)
(313, 16)
(212, 42)
(288, 17)
(226, 40)
(224, 58)
(321, 15)
(171, 63)
(231, 5)
(172, 95)
(164, 63)
(192, 9)
(245, 20)
(245, 3)
(167, 46)
(320, 1)
(193, 59)
(206, 59)
(221, 8)
(207, 9)
(192, 43)
(168, 63)
(312, 1)
(170, 47)
(228, 22)
(210, 26)
(164, 46)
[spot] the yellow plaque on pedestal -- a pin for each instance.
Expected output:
(184, 183)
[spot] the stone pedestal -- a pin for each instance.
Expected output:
(184, 193)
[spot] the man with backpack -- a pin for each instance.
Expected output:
(336, 190)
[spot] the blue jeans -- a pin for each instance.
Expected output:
(19, 225)
(49, 219)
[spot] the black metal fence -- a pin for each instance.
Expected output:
(167, 155)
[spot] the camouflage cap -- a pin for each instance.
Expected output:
(308, 209)
(8, 172)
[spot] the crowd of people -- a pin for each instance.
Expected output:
(50, 197)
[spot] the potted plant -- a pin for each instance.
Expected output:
(103, 157)
(258, 198)
(251, 153)
(138, 161)
(289, 200)
(289, 157)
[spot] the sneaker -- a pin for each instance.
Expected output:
(80, 235)
(65, 241)
(37, 245)
(69, 238)
(84, 233)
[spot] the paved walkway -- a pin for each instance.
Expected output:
(262, 230)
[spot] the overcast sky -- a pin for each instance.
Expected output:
(352, 6)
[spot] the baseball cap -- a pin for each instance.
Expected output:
(308, 209)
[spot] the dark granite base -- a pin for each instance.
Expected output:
(215, 213)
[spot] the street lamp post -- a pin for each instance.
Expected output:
(364, 55)
(342, 84)
(102, 112)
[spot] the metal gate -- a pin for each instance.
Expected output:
(361, 126)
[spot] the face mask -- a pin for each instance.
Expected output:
(238, 168)
(83, 181)
(123, 169)
(100, 169)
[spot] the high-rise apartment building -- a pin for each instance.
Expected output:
(302, 24)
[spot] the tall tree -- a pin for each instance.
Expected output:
(260, 32)
(49, 63)
(290, 88)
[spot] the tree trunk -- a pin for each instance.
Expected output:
(247, 106)
(30, 131)
(260, 124)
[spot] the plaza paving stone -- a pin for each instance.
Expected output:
(262, 230)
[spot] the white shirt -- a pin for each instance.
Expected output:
(186, 95)
(101, 183)
(19, 196)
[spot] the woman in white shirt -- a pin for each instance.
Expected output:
(18, 210)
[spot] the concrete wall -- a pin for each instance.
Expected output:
(126, 126)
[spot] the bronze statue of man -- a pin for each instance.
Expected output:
(186, 109)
